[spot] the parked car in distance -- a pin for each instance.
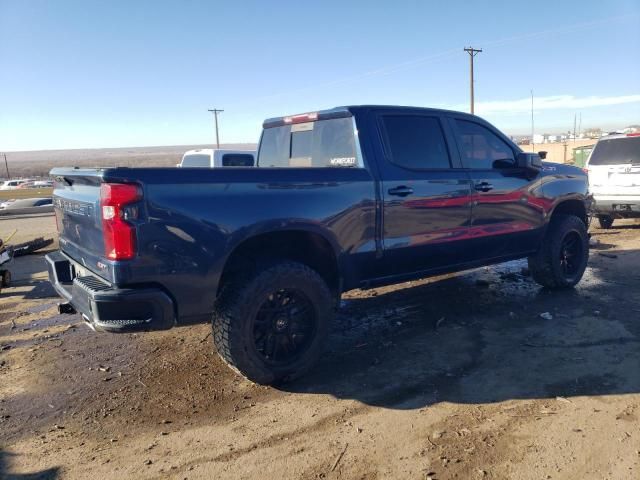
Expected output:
(614, 177)
(352, 197)
(27, 206)
(36, 184)
(13, 184)
(214, 158)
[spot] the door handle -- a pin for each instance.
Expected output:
(483, 186)
(401, 191)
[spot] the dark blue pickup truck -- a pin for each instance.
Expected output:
(352, 197)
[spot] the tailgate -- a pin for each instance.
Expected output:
(76, 201)
(615, 180)
(98, 217)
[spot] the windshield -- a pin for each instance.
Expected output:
(196, 160)
(616, 151)
(324, 143)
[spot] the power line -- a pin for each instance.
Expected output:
(215, 112)
(472, 53)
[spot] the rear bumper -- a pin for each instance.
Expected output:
(106, 307)
(617, 205)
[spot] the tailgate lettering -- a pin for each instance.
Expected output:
(72, 206)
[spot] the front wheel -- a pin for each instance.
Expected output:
(562, 257)
(272, 326)
(605, 221)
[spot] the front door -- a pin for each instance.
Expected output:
(507, 217)
(426, 200)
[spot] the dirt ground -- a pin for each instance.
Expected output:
(453, 377)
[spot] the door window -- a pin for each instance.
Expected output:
(416, 142)
(483, 149)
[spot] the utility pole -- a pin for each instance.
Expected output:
(580, 124)
(472, 53)
(575, 117)
(533, 142)
(6, 164)
(215, 112)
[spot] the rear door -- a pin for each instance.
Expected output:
(614, 167)
(426, 201)
(505, 217)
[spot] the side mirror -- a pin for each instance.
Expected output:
(542, 154)
(532, 162)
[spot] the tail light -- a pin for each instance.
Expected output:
(116, 201)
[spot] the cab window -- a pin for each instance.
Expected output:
(483, 149)
(416, 142)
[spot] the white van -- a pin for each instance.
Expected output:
(215, 158)
(614, 177)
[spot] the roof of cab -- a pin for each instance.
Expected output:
(345, 111)
(616, 135)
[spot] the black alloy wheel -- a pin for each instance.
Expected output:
(284, 327)
(571, 254)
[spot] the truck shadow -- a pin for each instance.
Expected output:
(6, 474)
(487, 336)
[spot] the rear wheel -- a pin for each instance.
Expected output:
(272, 326)
(562, 257)
(605, 221)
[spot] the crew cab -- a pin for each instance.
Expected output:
(351, 197)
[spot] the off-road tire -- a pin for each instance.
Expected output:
(545, 266)
(238, 305)
(605, 221)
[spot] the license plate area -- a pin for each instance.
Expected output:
(626, 179)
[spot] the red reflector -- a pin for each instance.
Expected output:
(303, 117)
(633, 134)
(119, 235)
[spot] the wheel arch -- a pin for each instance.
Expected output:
(572, 206)
(302, 243)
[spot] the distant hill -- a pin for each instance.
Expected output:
(39, 162)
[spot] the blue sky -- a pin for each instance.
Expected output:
(81, 74)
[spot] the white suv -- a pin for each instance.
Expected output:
(12, 184)
(614, 177)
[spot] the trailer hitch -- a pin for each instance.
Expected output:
(66, 308)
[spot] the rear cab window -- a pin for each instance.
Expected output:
(616, 151)
(237, 160)
(330, 142)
